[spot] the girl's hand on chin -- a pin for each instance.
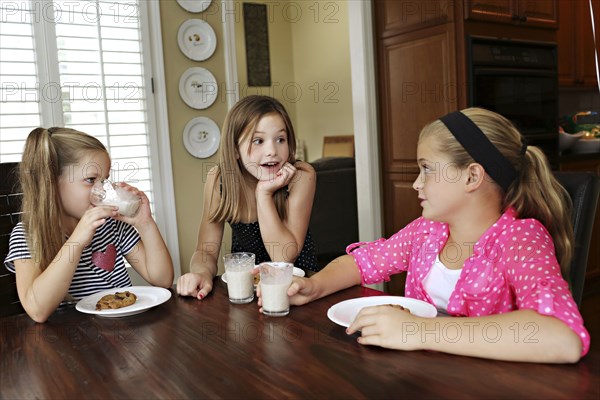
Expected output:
(388, 326)
(282, 178)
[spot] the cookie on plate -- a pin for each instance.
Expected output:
(117, 300)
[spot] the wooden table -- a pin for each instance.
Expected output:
(213, 349)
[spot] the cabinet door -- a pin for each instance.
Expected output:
(567, 43)
(418, 83)
(576, 64)
(586, 65)
(400, 16)
(490, 10)
(538, 13)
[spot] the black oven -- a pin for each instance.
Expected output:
(519, 80)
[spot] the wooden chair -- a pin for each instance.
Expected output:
(583, 187)
(10, 210)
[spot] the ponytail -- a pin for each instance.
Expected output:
(537, 194)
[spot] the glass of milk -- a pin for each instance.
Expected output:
(275, 279)
(240, 281)
(106, 193)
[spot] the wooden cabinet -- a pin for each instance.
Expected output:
(534, 13)
(418, 82)
(422, 75)
(413, 91)
(592, 276)
(576, 64)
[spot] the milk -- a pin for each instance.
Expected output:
(240, 285)
(275, 300)
(105, 193)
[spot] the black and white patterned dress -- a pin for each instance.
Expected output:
(247, 238)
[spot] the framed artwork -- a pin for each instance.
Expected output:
(256, 34)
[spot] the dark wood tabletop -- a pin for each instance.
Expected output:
(186, 348)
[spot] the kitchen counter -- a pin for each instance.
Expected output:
(568, 156)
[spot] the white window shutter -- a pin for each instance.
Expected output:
(87, 65)
(89, 76)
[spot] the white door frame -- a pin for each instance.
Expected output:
(364, 108)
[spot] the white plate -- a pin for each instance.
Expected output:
(198, 88)
(147, 297)
(201, 137)
(297, 272)
(343, 313)
(196, 39)
(194, 6)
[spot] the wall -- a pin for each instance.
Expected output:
(189, 172)
(310, 73)
(280, 52)
(310, 67)
(573, 101)
(321, 52)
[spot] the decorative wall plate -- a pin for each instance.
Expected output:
(194, 6)
(201, 137)
(198, 88)
(196, 39)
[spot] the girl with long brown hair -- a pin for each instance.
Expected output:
(260, 189)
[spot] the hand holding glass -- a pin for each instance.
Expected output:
(275, 279)
(106, 193)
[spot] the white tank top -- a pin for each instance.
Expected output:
(440, 283)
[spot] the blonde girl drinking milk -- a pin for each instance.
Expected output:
(65, 247)
(260, 189)
(494, 236)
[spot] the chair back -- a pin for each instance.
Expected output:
(334, 218)
(10, 212)
(583, 187)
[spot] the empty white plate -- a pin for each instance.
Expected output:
(343, 313)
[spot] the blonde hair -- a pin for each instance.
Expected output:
(46, 155)
(240, 123)
(535, 193)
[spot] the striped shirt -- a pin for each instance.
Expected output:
(102, 263)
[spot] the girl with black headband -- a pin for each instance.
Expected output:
(489, 246)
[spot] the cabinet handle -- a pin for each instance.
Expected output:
(519, 18)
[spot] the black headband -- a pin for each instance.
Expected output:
(480, 148)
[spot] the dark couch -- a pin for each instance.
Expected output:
(334, 219)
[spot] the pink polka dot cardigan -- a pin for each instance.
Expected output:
(513, 267)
